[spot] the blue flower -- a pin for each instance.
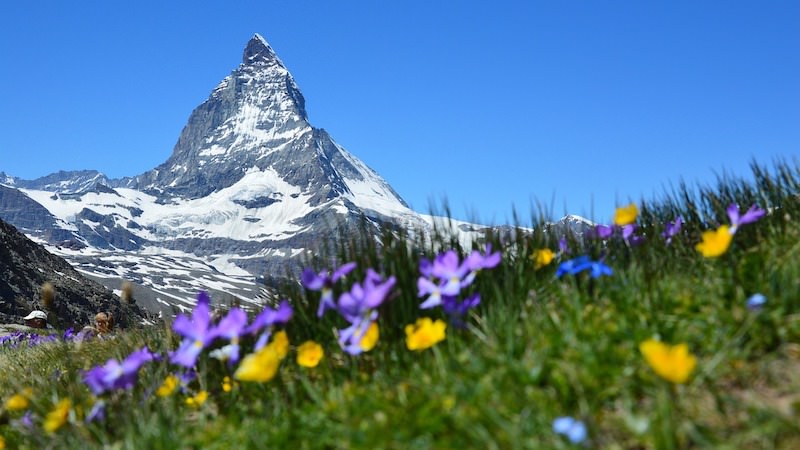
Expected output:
(574, 430)
(756, 301)
(577, 265)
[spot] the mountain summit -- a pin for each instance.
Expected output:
(258, 51)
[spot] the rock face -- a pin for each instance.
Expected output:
(26, 265)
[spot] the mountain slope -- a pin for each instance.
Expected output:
(25, 266)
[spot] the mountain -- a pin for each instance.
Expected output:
(25, 266)
(249, 187)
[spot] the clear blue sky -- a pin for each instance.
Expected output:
(489, 104)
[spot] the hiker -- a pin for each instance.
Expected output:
(36, 319)
(103, 322)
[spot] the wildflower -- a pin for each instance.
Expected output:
(115, 375)
(230, 327)
(2, 442)
(603, 231)
(577, 265)
(756, 302)
(309, 354)
(424, 334)
(267, 319)
(542, 257)
(672, 229)
(361, 336)
(98, 412)
(260, 366)
(626, 215)
(58, 416)
(456, 310)
(573, 429)
(19, 401)
(752, 215)
(477, 261)
(359, 307)
(324, 282)
(280, 343)
(674, 363)
(227, 384)
(452, 275)
(26, 421)
(715, 243)
(196, 332)
(362, 299)
(628, 236)
(197, 400)
(168, 387)
(370, 338)
(563, 248)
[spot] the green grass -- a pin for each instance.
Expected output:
(537, 348)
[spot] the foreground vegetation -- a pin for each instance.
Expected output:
(557, 354)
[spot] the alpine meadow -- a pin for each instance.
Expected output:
(676, 326)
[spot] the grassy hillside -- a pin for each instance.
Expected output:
(543, 360)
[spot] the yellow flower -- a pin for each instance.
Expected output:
(424, 334)
(672, 362)
(309, 354)
(259, 366)
(715, 243)
(227, 384)
(168, 386)
(20, 401)
(542, 257)
(370, 338)
(626, 215)
(280, 343)
(2, 443)
(197, 400)
(58, 416)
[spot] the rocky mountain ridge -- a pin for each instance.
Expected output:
(25, 266)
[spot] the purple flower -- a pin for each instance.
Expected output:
(427, 287)
(477, 261)
(98, 412)
(756, 302)
(752, 215)
(456, 310)
(672, 229)
(573, 429)
(196, 332)
(350, 337)
(563, 248)
(603, 231)
(267, 319)
(26, 421)
(69, 334)
(426, 267)
(451, 273)
(629, 237)
(359, 307)
(357, 303)
(230, 327)
(115, 375)
(324, 282)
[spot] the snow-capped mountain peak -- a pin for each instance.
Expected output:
(250, 181)
(259, 52)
